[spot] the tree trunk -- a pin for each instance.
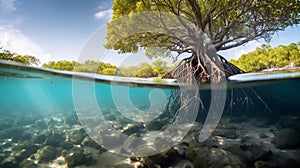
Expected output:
(205, 67)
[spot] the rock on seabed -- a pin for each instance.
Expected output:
(214, 158)
(46, 154)
(76, 157)
(287, 138)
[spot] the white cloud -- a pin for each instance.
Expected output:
(8, 5)
(104, 14)
(236, 52)
(15, 41)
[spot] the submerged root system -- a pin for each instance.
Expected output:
(245, 101)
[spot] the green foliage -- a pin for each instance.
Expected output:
(88, 66)
(227, 23)
(96, 67)
(144, 70)
(266, 57)
(159, 67)
(61, 65)
(26, 59)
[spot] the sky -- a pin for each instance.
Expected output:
(59, 29)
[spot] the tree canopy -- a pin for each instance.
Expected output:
(199, 27)
(267, 57)
(227, 23)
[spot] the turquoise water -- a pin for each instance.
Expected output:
(39, 110)
(36, 92)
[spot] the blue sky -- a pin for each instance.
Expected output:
(58, 29)
(50, 29)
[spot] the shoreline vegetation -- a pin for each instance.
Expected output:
(264, 58)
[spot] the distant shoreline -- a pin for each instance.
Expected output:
(286, 68)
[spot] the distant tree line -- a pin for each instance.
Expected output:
(89, 66)
(266, 57)
(26, 59)
(145, 70)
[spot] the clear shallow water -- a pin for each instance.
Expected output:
(35, 90)
(39, 114)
